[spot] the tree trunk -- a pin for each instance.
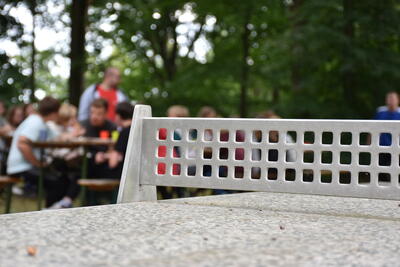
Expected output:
(244, 83)
(33, 52)
(77, 55)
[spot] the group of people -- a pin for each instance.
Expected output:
(103, 111)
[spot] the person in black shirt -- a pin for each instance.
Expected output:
(95, 126)
(114, 159)
(124, 112)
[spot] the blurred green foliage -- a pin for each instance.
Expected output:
(307, 59)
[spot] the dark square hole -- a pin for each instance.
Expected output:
(364, 158)
(327, 138)
(326, 157)
(291, 155)
(344, 177)
(308, 156)
(385, 139)
(273, 137)
(177, 135)
(256, 154)
(308, 176)
(290, 175)
(346, 138)
(191, 152)
(191, 171)
(176, 152)
(365, 139)
(192, 135)
(257, 136)
(176, 169)
(162, 134)
(384, 179)
(364, 178)
(223, 153)
(273, 155)
(326, 176)
(239, 154)
(345, 157)
(385, 159)
(223, 171)
(207, 153)
(240, 136)
(239, 172)
(208, 135)
(291, 137)
(309, 138)
(255, 173)
(272, 174)
(207, 170)
(224, 136)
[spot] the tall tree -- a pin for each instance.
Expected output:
(32, 7)
(78, 11)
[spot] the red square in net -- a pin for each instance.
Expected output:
(161, 168)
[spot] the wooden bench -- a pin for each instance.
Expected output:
(331, 157)
(97, 185)
(6, 183)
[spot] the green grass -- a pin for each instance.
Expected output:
(19, 204)
(24, 204)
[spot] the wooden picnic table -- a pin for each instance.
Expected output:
(84, 142)
(73, 143)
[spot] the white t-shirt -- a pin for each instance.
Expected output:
(33, 128)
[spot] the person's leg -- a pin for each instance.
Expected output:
(55, 187)
(72, 188)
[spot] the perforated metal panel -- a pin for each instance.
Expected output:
(329, 157)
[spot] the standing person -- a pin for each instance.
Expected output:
(389, 112)
(108, 90)
(95, 126)
(23, 160)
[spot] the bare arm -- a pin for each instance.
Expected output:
(114, 158)
(25, 146)
(5, 130)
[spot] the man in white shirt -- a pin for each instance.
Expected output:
(23, 160)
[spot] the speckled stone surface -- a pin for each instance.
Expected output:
(251, 229)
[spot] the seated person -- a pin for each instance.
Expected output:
(116, 156)
(23, 160)
(96, 124)
(15, 117)
(67, 160)
(3, 110)
(177, 111)
(67, 125)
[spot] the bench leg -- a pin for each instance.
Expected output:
(8, 191)
(83, 196)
